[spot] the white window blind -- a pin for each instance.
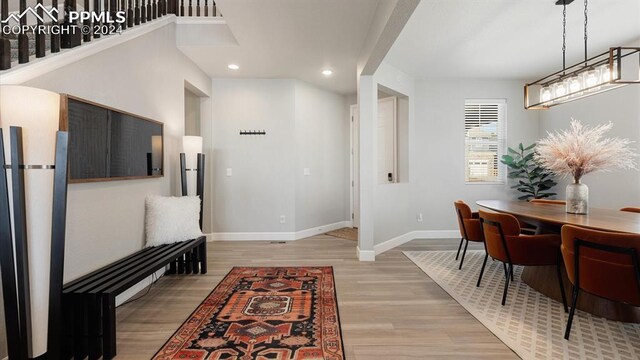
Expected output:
(484, 140)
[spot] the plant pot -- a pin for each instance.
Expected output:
(577, 198)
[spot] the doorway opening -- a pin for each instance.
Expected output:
(393, 132)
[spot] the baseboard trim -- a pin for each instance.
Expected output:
(273, 236)
(321, 229)
(436, 234)
(391, 243)
(412, 235)
(365, 255)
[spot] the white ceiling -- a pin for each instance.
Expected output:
(291, 39)
(507, 39)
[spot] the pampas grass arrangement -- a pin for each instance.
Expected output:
(582, 150)
(579, 151)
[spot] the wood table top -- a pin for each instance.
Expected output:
(598, 219)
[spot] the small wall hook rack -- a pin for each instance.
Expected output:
(253, 132)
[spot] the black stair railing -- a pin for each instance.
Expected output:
(86, 35)
(40, 38)
(22, 47)
(5, 44)
(23, 40)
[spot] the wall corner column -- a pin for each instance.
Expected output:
(367, 102)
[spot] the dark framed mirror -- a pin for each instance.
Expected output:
(109, 144)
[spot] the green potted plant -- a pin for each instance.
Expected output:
(534, 181)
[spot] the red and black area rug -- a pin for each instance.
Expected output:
(263, 313)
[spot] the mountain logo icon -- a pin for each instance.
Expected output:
(51, 14)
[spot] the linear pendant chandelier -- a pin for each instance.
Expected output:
(610, 70)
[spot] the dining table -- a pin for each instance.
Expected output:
(549, 218)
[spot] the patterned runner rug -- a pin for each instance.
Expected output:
(284, 313)
(531, 324)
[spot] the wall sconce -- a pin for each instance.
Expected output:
(192, 162)
(33, 199)
(154, 158)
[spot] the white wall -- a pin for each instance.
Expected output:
(622, 107)
(306, 128)
(384, 208)
(262, 187)
(322, 145)
(105, 220)
(191, 114)
(392, 215)
(438, 167)
(436, 154)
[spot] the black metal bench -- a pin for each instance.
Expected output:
(89, 303)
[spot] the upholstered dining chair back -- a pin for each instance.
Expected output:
(631, 209)
(608, 263)
(497, 229)
(548, 201)
(469, 225)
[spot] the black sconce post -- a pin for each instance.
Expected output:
(15, 271)
(189, 263)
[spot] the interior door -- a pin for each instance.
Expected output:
(387, 114)
(355, 166)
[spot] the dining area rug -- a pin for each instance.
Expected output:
(530, 323)
(285, 313)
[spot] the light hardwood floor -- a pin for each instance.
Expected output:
(389, 309)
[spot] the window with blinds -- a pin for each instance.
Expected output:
(484, 140)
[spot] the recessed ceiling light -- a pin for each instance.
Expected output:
(233, 66)
(327, 72)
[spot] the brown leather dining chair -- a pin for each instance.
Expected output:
(470, 229)
(602, 263)
(548, 201)
(631, 209)
(504, 242)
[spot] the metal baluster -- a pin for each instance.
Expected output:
(105, 9)
(113, 8)
(149, 8)
(87, 35)
(55, 38)
(130, 14)
(97, 9)
(143, 11)
(136, 18)
(73, 37)
(23, 40)
(40, 40)
(5, 45)
(123, 8)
